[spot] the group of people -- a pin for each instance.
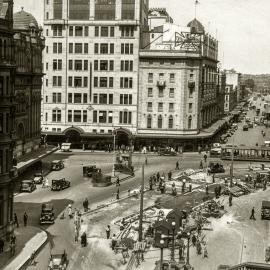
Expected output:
(157, 180)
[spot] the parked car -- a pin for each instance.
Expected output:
(28, 186)
(58, 261)
(38, 178)
(65, 147)
(60, 184)
(89, 170)
(166, 152)
(216, 167)
(245, 127)
(265, 210)
(57, 165)
(47, 214)
(215, 152)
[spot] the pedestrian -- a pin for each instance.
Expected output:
(193, 240)
(169, 175)
(205, 252)
(114, 241)
(230, 199)
(177, 165)
(25, 219)
(146, 161)
(201, 165)
(83, 239)
(190, 187)
(2, 243)
(70, 211)
(213, 178)
(219, 190)
(207, 189)
(108, 231)
(252, 214)
(150, 183)
(122, 224)
(16, 220)
(183, 186)
(205, 157)
(198, 248)
(12, 245)
(117, 194)
(158, 176)
(86, 204)
(117, 182)
(76, 237)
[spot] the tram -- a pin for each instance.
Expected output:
(246, 153)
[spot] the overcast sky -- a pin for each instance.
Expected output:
(242, 27)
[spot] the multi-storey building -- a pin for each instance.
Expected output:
(158, 17)
(7, 72)
(178, 85)
(29, 43)
(91, 64)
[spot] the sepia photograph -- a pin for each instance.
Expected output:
(134, 135)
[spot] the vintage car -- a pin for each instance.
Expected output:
(89, 170)
(166, 152)
(28, 186)
(265, 210)
(58, 261)
(47, 214)
(57, 165)
(65, 147)
(38, 178)
(215, 152)
(216, 167)
(60, 184)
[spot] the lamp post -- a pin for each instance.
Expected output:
(113, 169)
(188, 238)
(161, 253)
(173, 231)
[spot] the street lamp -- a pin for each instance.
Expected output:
(188, 238)
(173, 231)
(162, 242)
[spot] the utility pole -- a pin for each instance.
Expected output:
(141, 206)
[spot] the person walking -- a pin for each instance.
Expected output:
(252, 216)
(207, 189)
(230, 199)
(117, 194)
(150, 183)
(205, 157)
(201, 165)
(169, 175)
(205, 252)
(108, 232)
(117, 182)
(2, 244)
(16, 220)
(114, 241)
(177, 165)
(25, 219)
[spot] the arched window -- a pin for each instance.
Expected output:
(159, 121)
(189, 122)
(170, 124)
(149, 121)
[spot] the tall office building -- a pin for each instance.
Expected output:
(91, 61)
(7, 115)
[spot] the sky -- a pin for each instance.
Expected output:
(241, 26)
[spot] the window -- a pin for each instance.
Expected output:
(126, 99)
(70, 81)
(126, 82)
(128, 9)
(111, 82)
(69, 97)
(56, 115)
(110, 118)
(70, 48)
(77, 116)
(78, 65)
(127, 31)
(125, 117)
(78, 31)
(70, 64)
(95, 81)
(190, 107)
(1, 123)
(104, 31)
(86, 31)
(171, 107)
(112, 48)
(94, 116)
(160, 107)
(79, 9)
(112, 31)
(104, 48)
(105, 10)
(160, 92)
(103, 82)
(57, 9)
(103, 65)
(126, 65)
(77, 98)
(77, 81)
(46, 117)
(102, 117)
(149, 121)
(111, 65)
(150, 77)
(149, 106)
(71, 31)
(96, 50)
(161, 76)
(171, 94)
(85, 64)
(69, 116)
(56, 98)
(110, 98)
(96, 31)
(150, 92)
(189, 122)
(57, 81)
(84, 98)
(78, 47)
(170, 124)
(159, 121)
(84, 116)
(85, 47)
(57, 64)
(95, 98)
(57, 30)
(172, 78)
(85, 81)
(102, 98)
(126, 48)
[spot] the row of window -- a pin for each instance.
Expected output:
(161, 77)
(161, 92)
(78, 48)
(104, 48)
(171, 107)
(77, 81)
(78, 64)
(104, 31)
(78, 31)
(160, 122)
(103, 98)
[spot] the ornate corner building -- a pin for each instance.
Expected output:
(28, 46)
(7, 114)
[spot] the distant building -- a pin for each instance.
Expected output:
(158, 17)
(178, 85)
(29, 43)
(233, 79)
(7, 115)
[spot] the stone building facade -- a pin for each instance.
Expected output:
(29, 43)
(7, 114)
